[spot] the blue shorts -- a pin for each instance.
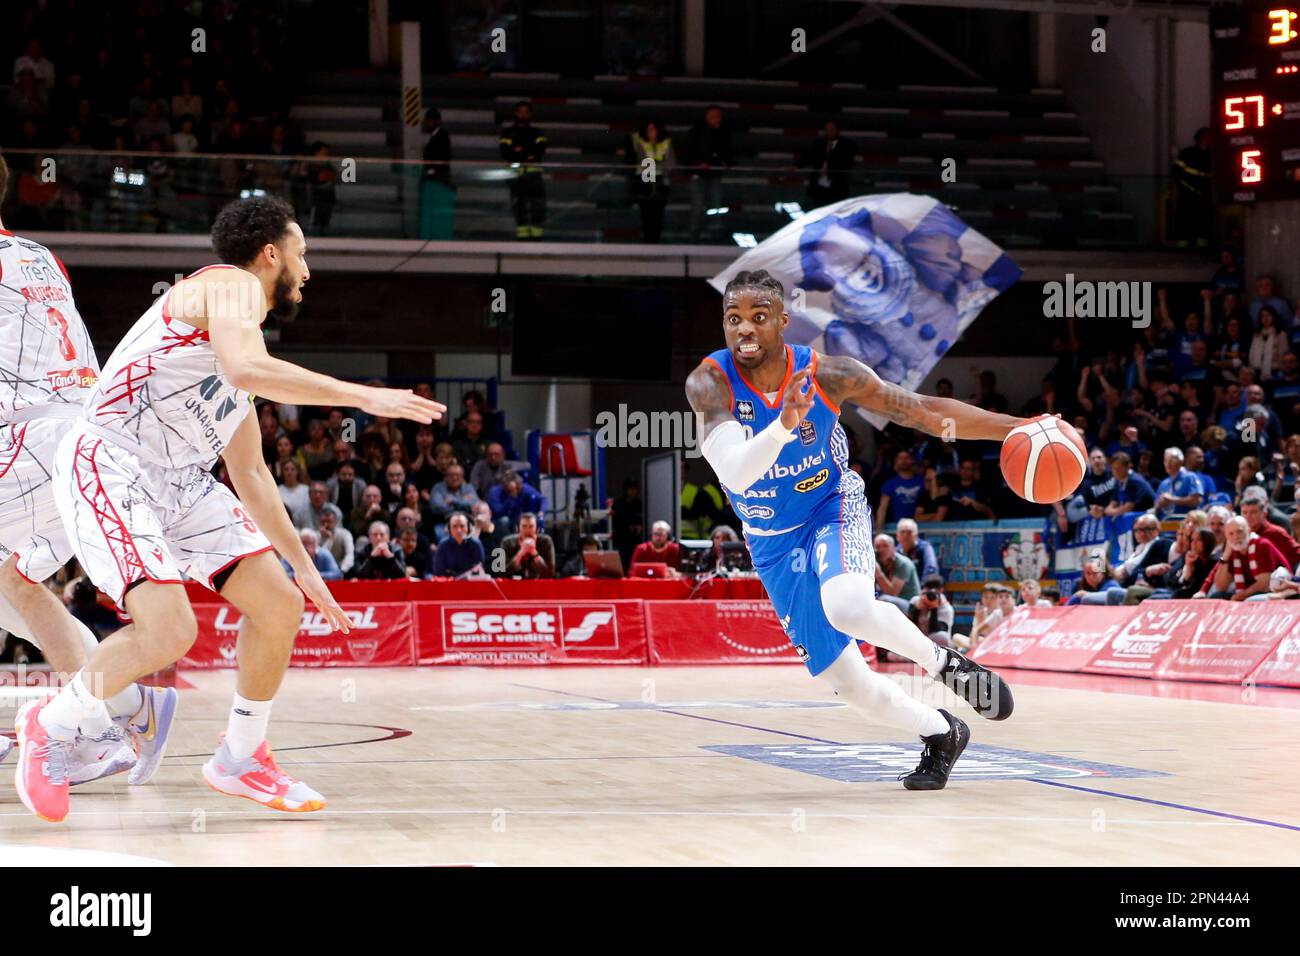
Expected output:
(793, 566)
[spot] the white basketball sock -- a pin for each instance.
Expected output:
(849, 602)
(126, 703)
(74, 708)
(879, 697)
(247, 726)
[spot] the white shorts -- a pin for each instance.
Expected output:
(131, 520)
(30, 525)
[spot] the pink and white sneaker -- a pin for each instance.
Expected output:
(259, 778)
(41, 778)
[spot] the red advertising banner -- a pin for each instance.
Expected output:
(1149, 637)
(381, 636)
(1227, 641)
(716, 632)
(1282, 665)
(1052, 638)
(531, 632)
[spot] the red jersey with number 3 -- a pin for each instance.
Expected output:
(46, 356)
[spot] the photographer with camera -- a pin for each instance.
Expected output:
(931, 612)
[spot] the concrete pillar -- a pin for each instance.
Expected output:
(379, 34)
(693, 37)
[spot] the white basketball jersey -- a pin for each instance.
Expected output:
(46, 357)
(163, 390)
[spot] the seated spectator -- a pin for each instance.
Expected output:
(488, 470)
(721, 535)
(901, 491)
(896, 576)
(322, 559)
(529, 553)
(1148, 549)
(996, 602)
(368, 512)
(1131, 491)
(409, 518)
(932, 504)
(394, 482)
(37, 63)
(931, 611)
(335, 538)
(1181, 577)
(484, 529)
(660, 549)
(284, 452)
(1098, 483)
(1254, 508)
(511, 499)
(293, 492)
(414, 501)
(1247, 564)
(419, 559)
(318, 451)
(471, 443)
(1031, 594)
(967, 502)
(1180, 492)
(424, 470)
(459, 554)
(377, 559)
(345, 490)
(1284, 470)
(1097, 586)
(317, 498)
(921, 553)
(452, 494)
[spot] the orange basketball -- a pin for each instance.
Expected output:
(1044, 460)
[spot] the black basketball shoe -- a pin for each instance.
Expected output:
(985, 691)
(941, 752)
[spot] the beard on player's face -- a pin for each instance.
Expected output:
(282, 305)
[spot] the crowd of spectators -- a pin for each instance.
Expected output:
(1193, 424)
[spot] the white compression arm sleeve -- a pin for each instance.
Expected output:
(738, 462)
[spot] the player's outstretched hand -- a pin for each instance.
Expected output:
(402, 403)
(313, 586)
(796, 400)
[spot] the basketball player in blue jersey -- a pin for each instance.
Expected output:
(769, 416)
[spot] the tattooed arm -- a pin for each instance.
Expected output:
(845, 379)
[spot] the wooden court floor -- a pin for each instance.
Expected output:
(700, 766)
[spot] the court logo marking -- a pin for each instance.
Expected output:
(878, 763)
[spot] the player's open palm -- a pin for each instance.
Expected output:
(402, 403)
(796, 400)
(313, 586)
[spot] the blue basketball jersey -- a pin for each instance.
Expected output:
(810, 470)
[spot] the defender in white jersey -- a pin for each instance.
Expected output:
(134, 488)
(47, 370)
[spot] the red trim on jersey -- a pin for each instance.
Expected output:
(62, 267)
(130, 567)
(167, 316)
(789, 371)
(813, 375)
(18, 560)
(710, 358)
(236, 560)
(5, 232)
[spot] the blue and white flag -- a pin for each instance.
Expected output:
(891, 280)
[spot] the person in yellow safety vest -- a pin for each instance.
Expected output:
(523, 147)
(652, 158)
(703, 508)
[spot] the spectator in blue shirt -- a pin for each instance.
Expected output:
(920, 552)
(1266, 294)
(510, 499)
(1132, 492)
(324, 561)
(450, 496)
(1195, 465)
(459, 554)
(1181, 491)
(901, 491)
(1097, 586)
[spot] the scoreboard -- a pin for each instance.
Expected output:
(1256, 54)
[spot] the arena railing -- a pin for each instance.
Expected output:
(1021, 204)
